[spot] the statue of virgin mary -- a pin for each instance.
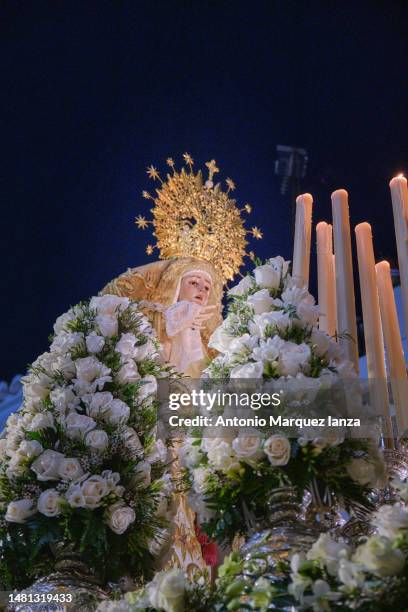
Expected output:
(201, 239)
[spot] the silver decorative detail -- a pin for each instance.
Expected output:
(72, 576)
(287, 532)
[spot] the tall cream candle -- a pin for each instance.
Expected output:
(399, 196)
(332, 289)
(303, 234)
(325, 278)
(372, 325)
(393, 345)
(346, 308)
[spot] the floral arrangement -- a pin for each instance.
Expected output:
(270, 333)
(370, 576)
(83, 464)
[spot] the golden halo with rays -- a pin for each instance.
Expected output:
(193, 218)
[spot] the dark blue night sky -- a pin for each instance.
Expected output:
(93, 92)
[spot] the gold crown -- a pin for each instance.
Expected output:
(192, 218)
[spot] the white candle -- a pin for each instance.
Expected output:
(332, 289)
(346, 309)
(393, 345)
(325, 278)
(372, 325)
(399, 196)
(303, 234)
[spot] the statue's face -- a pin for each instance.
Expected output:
(195, 287)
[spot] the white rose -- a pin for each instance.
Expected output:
(94, 343)
(247, 447)
(46, 466)
(293, 358)
(260, 301)
(63, 320)
(147, 349)
(90, 369)
(293, 294)
(242, 287)
(350, 574)
(128, 373)
(49, 503)
(116, 412)
(148, 387)
(70, 469)
(389, 520)
(19, 511)
(132, 441)
(64, 365)
(189, 453)
(364, 472)
(158, 453)
(142, 474)
(109, 304)
(268, 350)
(108, 325)
(93, 490)
(119, 517)
(248, 370)
(308, 313)
(242, 345)
(29, 449)
(77, 425)
(42, 420)
(97, 402)
(321, 341)
(267, 276)
(220, 340)
(277, 448)
(275, 318)
(377, 555)
(97, 439)
(329, 551)
(167, 591)
(279, 264)
(126, 347)
(64, 398)
(200, 476)
(221, 456)
(65, 341)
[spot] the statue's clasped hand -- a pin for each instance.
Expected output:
(204, 314)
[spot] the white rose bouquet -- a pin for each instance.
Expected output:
(83, 463)
(270, 332)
